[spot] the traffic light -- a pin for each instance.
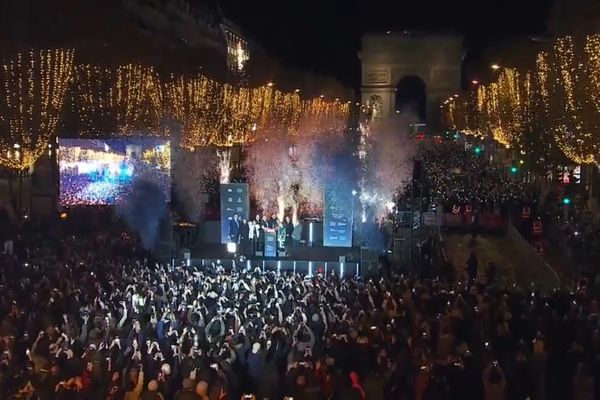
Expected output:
(514, 169)
(477, 150)
(566, 201)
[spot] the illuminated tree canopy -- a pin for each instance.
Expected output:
(556, 103)
(133, 100)
(32, 92)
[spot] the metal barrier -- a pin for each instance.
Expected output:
(310, 268)
(547, 276)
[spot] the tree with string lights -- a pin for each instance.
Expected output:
(124, 101)
(92, 100)
(32, 88)
(138, 100)
(574, 119)
(553, 109)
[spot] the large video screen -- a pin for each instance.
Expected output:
(101, 171)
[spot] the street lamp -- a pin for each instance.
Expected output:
(475, 82)
(495, 66)
(354, 192)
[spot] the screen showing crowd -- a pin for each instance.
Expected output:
(100, 171)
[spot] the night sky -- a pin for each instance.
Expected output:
(324, 35)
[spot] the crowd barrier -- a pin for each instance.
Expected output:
(486, 221)
(346, 269)
(540, 271)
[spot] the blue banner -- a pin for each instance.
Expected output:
(234, 200)
(338, 208)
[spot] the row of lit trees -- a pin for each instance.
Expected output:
(133, 100)
(555, 105)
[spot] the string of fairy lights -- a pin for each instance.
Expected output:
(204, 111)
(558, 100)
(133, 100)
(32, 88)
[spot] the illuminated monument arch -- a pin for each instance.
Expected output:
(388, 58)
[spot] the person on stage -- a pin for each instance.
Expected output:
(260, 227)
(263, 222)
(257, 221)
(288, 226)
(252, 234)
(272, 223)
(244, 237)
(296, 235)
(234, 229)
(280, 235)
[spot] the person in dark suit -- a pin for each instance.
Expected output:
(263, 222)
(234, 229)
(289, 229)
(272, 223)
(259, 234)
(296, 235)
(244, 236)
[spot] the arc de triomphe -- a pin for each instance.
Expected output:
(387, 58)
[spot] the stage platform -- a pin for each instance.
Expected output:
(343, 261)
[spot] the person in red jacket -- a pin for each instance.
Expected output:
(356, 384)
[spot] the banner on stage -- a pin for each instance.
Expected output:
(234, 200)
(270, 243)
(337, 217)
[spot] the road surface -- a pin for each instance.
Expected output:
(512, 266)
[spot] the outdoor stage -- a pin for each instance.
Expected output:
(343, 261)
(307, 258)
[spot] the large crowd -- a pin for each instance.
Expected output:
(461, 177)
(93, 318)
